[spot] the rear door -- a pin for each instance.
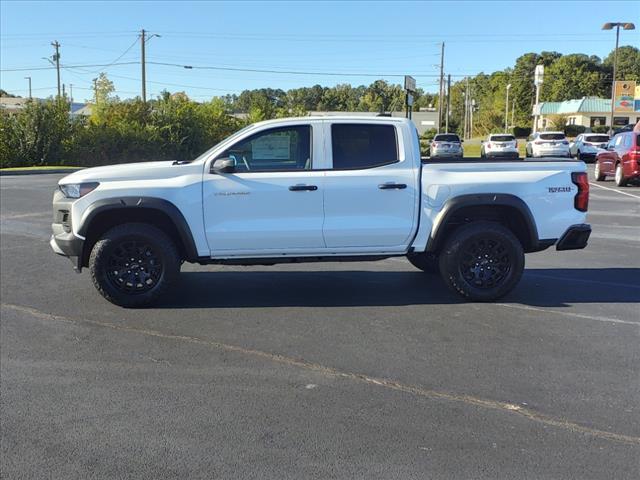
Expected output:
(371, 188)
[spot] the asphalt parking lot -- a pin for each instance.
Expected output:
(356, 370)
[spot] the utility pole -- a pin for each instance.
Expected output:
(506, 110)
(472, 108)
(466, 110)
(71, 93)
(144, 71)
(513, 112)
(446, 120)
(29, 78)
(56, 58)
(441, 87)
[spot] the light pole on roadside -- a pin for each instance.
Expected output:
(611, 26)
(506, 110)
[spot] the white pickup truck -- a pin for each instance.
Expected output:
(317, 189)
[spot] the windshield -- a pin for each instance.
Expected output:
(552, 136)
(238, 133)
(502, 138)
(447, 138)
(597, 138)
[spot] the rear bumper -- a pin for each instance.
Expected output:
(446, 153)
(503, 154)
(575, 238)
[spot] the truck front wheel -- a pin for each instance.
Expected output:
(482, 261)
(134, 264)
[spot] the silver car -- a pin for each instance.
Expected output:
(587, 145)
(446, 145)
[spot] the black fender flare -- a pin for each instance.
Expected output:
(164, 206)
(455, 204)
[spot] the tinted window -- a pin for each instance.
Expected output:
(552, 136)
(597, 138)
(286, 148)
(363, 146)
(502, 138)
(627, 140)
(638, 140)
(448, 137)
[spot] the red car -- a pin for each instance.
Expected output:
(621, 158)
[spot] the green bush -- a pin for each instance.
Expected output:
(521, 132)
(574, 130)
(171, 128)
(600, 129)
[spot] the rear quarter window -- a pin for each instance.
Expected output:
(361, 145)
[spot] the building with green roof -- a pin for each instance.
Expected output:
(586, 111)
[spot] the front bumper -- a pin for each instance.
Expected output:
(63, 241)
(575, 238)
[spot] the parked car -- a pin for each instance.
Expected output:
(620, 159)
(316, 189)
(587, 145)
(446, 145)
(548, 144)
(499, 145)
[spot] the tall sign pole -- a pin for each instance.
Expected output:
(56, 58)
(446, 120)
(142, 62)
(441, 87)
(410, 88)
(538, 78)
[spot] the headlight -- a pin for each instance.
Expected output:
(77, 190)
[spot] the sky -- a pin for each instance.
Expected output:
(357, 42)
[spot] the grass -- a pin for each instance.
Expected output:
(46, 167)
(472, 147)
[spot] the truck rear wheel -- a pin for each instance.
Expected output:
(482, 261)
(133, 265)
(424, 261)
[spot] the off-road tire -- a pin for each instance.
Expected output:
(426, 262)
(161, 256)
(502, 259)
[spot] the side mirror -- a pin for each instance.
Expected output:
(610, 147)
(461, 141)
(224, 165)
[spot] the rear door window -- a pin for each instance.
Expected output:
(361, 145)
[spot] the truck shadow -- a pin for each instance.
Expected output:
(546, 287)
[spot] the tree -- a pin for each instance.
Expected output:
(628, 65)
(572, 76)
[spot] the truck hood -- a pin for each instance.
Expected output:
(131, 171)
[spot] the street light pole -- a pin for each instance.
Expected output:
(506, 110)
(610, 26)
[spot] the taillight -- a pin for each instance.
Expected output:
(489, 145)
(538, 143)
(565, 142)
(581, 200)
(435, 144)
(516, 144)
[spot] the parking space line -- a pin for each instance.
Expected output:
(333, 372)
(569, 314)
(614, 190)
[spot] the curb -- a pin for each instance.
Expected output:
(35, 171)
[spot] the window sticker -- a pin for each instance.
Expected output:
(271, 147)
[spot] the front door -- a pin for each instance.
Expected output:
(272, 202)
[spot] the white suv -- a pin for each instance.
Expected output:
(501, 145)
(548, 144)
(587, 145)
